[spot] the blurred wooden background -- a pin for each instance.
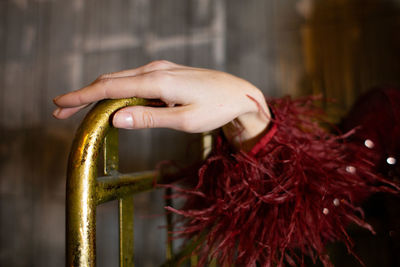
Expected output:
(48, 47)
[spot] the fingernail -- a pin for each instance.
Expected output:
(56, 98)
(56, 112)
(123, 120)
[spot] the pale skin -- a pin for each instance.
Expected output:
(198, 100)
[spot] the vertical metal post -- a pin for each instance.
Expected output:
(126, 232)
(206, 147)
(125, 205)
(170, 245)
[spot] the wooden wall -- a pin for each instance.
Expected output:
(49, 47)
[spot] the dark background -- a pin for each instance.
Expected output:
(47, 47)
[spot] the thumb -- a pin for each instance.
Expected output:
(139, 117)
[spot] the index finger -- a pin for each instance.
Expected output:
(150, 67)
(148, 85)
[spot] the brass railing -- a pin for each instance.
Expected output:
(86, 190)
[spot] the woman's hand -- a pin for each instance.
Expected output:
(198, 100)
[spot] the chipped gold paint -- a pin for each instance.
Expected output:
(81, 181)
(85, 190)
(122, 185)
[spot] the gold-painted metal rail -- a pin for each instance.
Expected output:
(85, 190)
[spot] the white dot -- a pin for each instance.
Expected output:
(350, 169)
(336, 202)
(391, 160)
(325, 211)
(368, 143)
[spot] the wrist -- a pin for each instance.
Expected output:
(245, 130)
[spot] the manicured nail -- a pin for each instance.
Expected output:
(56, 112)
(123, 120)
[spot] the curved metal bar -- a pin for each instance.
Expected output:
(81, 181)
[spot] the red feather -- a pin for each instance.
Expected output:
(293, 193)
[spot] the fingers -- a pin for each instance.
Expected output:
(99, 89)
(150, 67)
(156, 85)
(64, 113)
(139, 117)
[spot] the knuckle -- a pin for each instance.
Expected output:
(81, 98)
(105, 81)
(158, 64)
(162, 77)
(104, 85)
(162, 80)
(147, 119)
(104, 76)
